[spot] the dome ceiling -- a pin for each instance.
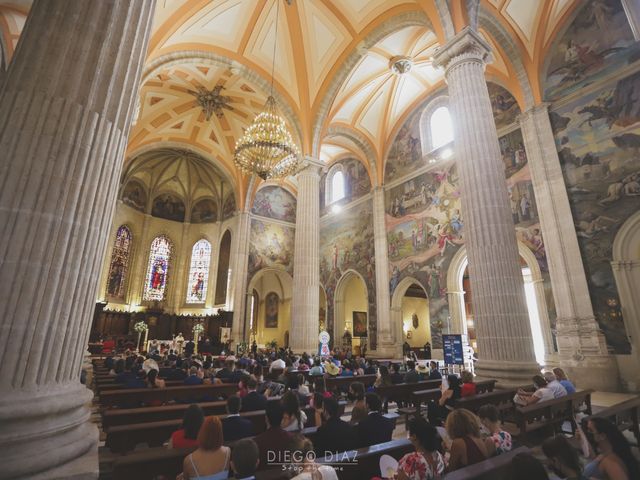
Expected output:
(332, 68)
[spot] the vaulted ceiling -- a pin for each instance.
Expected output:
(333, 79)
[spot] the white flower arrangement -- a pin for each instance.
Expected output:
(198, 328)
(140, 327)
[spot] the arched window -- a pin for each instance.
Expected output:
(156, 279)
(119, 263)
(441, 128)
(337, 186)
(199, 272)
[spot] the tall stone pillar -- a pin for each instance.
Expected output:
(504, 335)
(65, 113)
(239, 273)
(582, 348)
(386, 333)
(305, 303)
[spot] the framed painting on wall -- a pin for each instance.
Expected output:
(272, 303)
(360, 324)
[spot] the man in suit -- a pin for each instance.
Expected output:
(375, 428)
(253, 400)
(434, 373)
(245, 459)
(193, 378)
(234, 427)
(226, 373)
(411, 375)
(334, 435)
(274, 442)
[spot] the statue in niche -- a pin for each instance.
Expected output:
(414, 319)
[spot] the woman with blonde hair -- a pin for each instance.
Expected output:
(564, 381)
(467, 446)
(211, 460)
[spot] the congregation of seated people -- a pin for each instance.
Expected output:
(444, 440)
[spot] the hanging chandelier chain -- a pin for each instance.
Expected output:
(275, 44)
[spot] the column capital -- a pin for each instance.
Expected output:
(467, 45)
(311, 165)
(534, 110)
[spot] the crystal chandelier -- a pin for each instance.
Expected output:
(266, 148)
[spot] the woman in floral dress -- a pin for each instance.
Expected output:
(426, 462)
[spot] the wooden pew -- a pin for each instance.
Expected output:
(402, 392)
(149, 464)
(364, 463)
(624, 415)
(495, 468)
(502, 399)
(186, 393)
(485, 386)
(109, 387)
(342, 383)
(551, 413)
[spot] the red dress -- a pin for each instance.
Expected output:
(178, 440)
(468, 389)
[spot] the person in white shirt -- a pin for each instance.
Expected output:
(554, 385)
(150, 364)
(279, 364)
(542, 393)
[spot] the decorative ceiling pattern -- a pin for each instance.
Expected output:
(328, 77)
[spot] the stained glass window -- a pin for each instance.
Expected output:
(199, 272)
(156, 282)
(119, 263)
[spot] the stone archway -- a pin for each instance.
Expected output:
(626, 271)
(455, 293)
(341, 306)
(396, 311)
(265, 282)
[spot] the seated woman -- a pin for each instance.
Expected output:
(541, 394)
(211, 460)
(563, 458)
(490, 418)
(187, 436)
(613, 458)
(564, 381)
(154, 381)
(438, 411)
(468, 387)
(467, 445)
(293, 419)
(359, 411)
(308, 469)
(426, 462)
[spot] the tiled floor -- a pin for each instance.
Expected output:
(609, 399)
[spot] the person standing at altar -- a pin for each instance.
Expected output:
(179, 343)
(189, 348)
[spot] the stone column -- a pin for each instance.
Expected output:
(139, 261)
(65, 113)
(239, 266)
(582, 348)
(505, 344)
(386, 332)
(305, 302)
(182, 263)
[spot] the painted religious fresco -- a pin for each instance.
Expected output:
(168, 206)
(204, 211)
(271, 245)
(424, 230)
(356, 182)
(271, 307)
(346, 243)
(229, 207)
(135, 196)
(505, 107)
(598, 140)
(405, 154)
(598, 42)
(275, 202)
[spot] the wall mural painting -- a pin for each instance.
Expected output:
(405, 154)
(505, 107)
(135, 196)
(346, 242)
(168, 206)
(598, 42)
(356, 182)
(598, 140)
(424, 230)
(119, 263)
(271, 245)
(229, 207)
(275, 202)
(204, 211)
(271, 307)
(524, 209)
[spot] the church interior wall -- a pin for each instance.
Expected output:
(420, 335)
(354, 299)
(274, 290)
